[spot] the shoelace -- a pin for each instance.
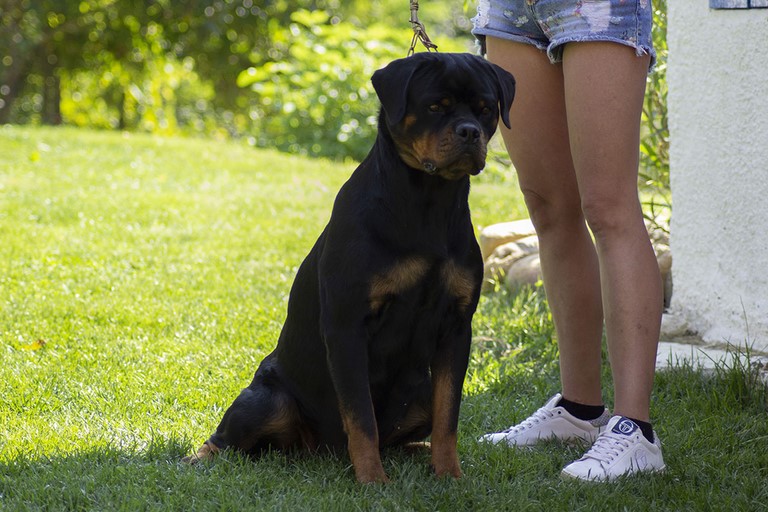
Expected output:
(534, 419)
(607, 447)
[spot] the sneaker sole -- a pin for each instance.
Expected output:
(576, 441)
(567, 476)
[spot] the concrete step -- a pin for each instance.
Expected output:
(707, 357)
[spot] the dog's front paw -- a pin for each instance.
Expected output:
(371, 474)
(446, 463)
(453, 470)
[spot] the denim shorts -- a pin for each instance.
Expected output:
(550, 24)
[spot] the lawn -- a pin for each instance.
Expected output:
(143, 279)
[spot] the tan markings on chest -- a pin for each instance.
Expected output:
(458, 282)
(402, 276)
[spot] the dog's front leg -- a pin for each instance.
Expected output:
(348, 362)
(448, 370)
(363, 446)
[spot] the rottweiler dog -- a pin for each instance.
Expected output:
(376, 342)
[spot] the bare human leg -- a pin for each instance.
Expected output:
(604, 88)
(538, 144)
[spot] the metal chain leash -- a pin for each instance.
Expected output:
(419, 32)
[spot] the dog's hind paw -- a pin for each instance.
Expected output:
(206, 452)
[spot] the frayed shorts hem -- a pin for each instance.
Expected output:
(554, 49)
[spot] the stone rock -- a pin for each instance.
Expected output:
(498, 263)
(673, 325)
(510, 254)
(497, 234)
(525, 271)
(664, 259)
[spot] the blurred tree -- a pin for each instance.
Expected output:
(18, 38)
(43, 37)
(314, 95)
(45, 41)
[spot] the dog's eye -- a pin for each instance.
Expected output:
(485, 111)
(435, 107)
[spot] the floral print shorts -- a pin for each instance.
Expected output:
(550, 24)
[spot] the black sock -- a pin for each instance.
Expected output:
(581, 411)
(646, 428)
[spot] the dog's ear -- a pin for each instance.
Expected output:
(391, 85)
(505, 85)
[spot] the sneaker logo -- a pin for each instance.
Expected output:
(624, 427)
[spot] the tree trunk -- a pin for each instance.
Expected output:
(51, 91)
(13, 76)
(121, 108)
(13, 79)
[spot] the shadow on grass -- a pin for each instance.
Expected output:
(109, 478)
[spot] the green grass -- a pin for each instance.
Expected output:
(143, 279)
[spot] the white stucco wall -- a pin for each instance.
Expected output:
(718, 116)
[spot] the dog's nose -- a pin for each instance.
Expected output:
(468, 132)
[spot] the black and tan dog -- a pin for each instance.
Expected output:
(375, 345)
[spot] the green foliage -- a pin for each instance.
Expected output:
(314, 95)
(166, 97)
(654, 142)
(291, 74)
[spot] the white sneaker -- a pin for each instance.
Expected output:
(550, 422)
(620, 450)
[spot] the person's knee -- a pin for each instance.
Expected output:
(551, 212)
(608, 215)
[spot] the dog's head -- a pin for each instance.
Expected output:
(442, 108)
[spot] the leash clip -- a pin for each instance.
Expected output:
(419, 32)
